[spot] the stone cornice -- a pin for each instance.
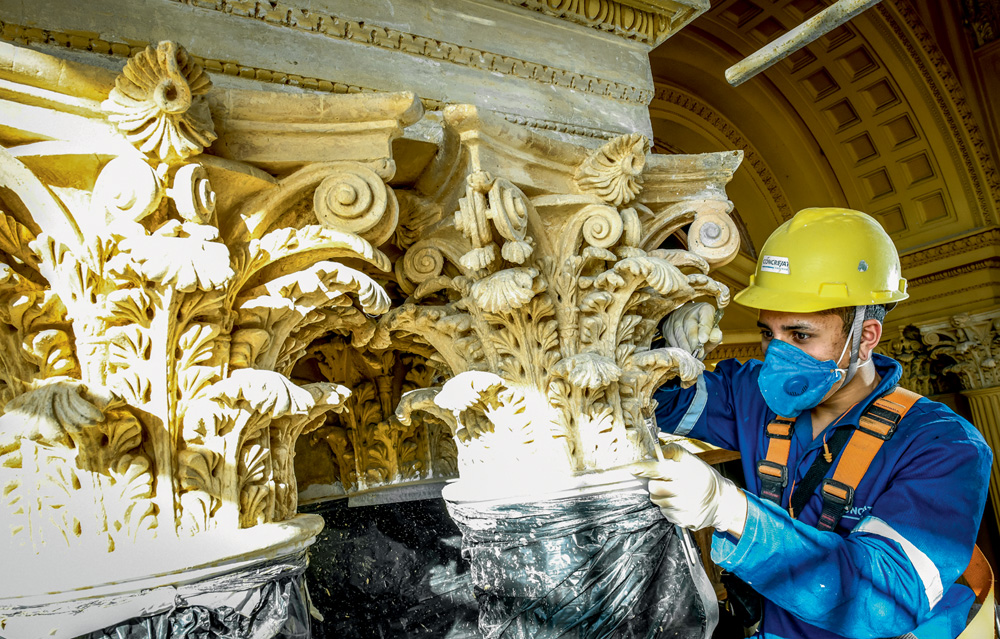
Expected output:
(623, 19)
(459, 55)
(733, 135)
(19, 34)
(982, 239)
(559, 127)
(27, 35)
(974, 155)
(960, 294)
(366, 33)
(989, 263)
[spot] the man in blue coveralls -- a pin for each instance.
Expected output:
(877, 559)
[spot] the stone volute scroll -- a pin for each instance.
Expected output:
(155, 300)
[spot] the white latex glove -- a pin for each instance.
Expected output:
(693, 328)
(691, 494)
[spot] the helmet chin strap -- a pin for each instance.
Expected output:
(855, 339)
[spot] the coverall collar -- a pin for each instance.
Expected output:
(888, 369)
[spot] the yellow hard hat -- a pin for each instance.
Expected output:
(825, 258)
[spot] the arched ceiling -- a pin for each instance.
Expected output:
(869, 116)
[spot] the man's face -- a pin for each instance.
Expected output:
(821, 336)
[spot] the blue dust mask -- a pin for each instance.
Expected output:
(792, 381)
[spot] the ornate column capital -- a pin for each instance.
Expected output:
(540, 296)
(164, 265)
(964, 347)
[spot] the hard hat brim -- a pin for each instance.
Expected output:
(782, 301)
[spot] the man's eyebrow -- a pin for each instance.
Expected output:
(789, 327)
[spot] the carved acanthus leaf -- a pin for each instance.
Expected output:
(158, 103)
(266, 392)
(321, 285)
(588, 370)
(666, 363)
(506, 290)
(181, 255)
(416, 215)
(53, 413)
(15, 239)
(317, 241)
(467, 389)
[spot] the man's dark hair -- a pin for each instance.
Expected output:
(846, 313)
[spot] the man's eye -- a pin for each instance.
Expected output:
(801, 336)
(766, 334)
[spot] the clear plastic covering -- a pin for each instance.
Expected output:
(589, 566)
(233, 606)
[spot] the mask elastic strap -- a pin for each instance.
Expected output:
(856, 330)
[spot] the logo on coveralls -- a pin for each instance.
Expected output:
(857, 512)
(772, 264)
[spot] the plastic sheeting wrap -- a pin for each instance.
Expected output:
(264, 602)
(588, 567)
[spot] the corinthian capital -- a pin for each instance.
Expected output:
(155, 299)
(965, 346)
(539, 297)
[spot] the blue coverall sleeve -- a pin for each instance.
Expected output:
(898, 564)
(706, 411)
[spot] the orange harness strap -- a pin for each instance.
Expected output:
(773, 469)
(979, 577)
(876, 426)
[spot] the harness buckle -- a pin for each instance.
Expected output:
(837, 493)
(780, 428)
(780, 473)
(879, 422)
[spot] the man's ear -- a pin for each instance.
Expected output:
(871, 333)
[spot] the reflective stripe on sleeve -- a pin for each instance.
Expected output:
(695, 409)
(928, 572)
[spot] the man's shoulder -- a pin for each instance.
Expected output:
(739, 371)
(933, 420)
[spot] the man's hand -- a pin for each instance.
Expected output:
(691, 494)
(693, 327)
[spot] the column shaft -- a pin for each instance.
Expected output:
(985, 407)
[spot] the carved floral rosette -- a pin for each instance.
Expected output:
(153, 303)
